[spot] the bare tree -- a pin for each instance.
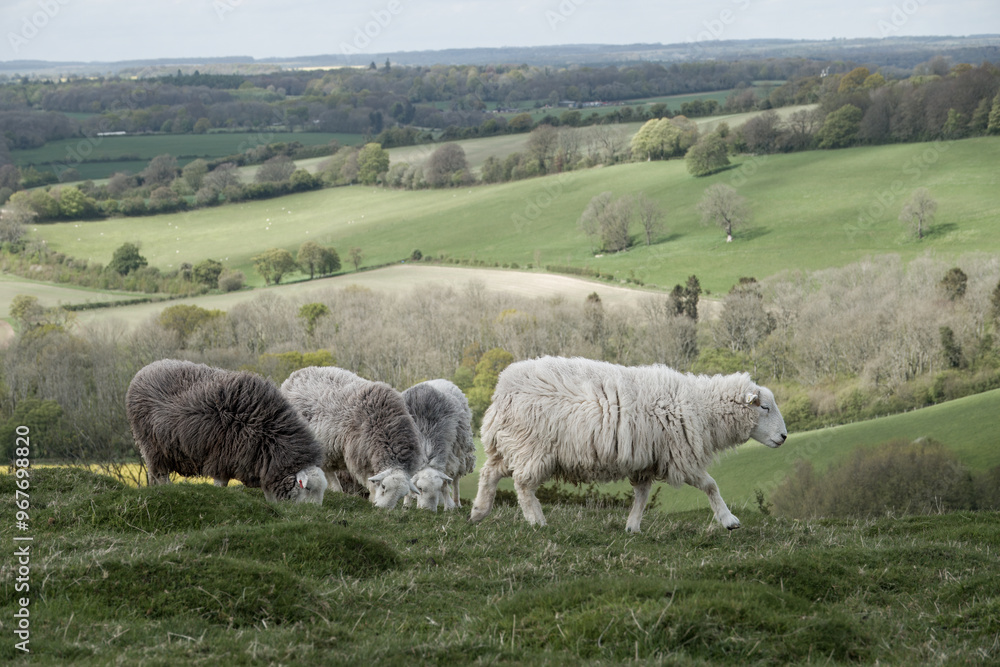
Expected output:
(13, 219)
(444, 163)
(356, 257)
(722, 205)
(650, 215)
(918, 212)
(541, 145)
(608, 220)
(276, 170)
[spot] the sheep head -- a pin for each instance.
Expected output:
(770, 429)
(306, 486)
(431, 483)
(388, 487)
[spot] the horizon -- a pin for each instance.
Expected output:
(60, 31)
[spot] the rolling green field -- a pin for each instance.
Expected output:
(190, 572)
(99, 157)
(811, 210)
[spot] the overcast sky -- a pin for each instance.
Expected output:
(111, 30)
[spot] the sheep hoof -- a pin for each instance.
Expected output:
(733, 526)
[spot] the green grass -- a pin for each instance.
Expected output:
(220, 574)
(806, 208)
(49, 294)
(103, 156)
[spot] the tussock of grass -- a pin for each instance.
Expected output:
(308, 549)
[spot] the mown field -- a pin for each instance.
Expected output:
(190, 573)
(811, 210)
(99, 157)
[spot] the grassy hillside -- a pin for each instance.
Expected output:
(967, 426)
(191, 572)
(806, 206)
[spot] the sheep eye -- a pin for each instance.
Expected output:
(766, 408)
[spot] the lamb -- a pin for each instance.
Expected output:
(196, 420)
(590, 421)
(363, 428)
(444, 422)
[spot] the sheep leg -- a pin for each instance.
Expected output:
(641, 490)
(711, 489)
(489, 477)
(220, 482)
(530, 507)
(456, 500)
(332, 482)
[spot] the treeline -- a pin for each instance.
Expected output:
(901, 337)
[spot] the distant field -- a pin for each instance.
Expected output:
(105, 155)
(477, 150)
(806, 205)
(395, 279)
(50, 294)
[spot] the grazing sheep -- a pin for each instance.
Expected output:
(444, 421)
(363, 428)
(196, 420)
(589, 421)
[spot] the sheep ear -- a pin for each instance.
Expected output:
(375, 479)
(302, 479)
(753, 398)
(446, 478)
(413, 487)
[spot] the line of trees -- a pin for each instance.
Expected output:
(901, 336)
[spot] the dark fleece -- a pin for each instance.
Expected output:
(196, 420)
(437, 417)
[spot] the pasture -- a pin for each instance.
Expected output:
(176, 574)
(811, 210)
(99, 157)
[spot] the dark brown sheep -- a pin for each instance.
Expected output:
(196, 420)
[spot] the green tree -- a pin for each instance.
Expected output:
(373, 161)
(840, 128)
(993, 124)
(853, 80)
(311, 312)
(126, 259)
(208, 272)
(309, 257)
(707, 156)
(26, 311)
(722, 205)
(184, 319)
(329, 262)
(485, 381)
(918, 212)
(75, 205)
(194, 173)
(274, 264)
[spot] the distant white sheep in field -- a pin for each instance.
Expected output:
(589, 421)
(363, 428)
(444, 421)
(196, 420)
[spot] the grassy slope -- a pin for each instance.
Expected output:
(190, 573)
(804, 206)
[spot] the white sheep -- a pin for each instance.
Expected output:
(363, 428)
(444, 421)
(590, 421)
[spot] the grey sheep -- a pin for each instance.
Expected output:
(444, 421)
(592, 421)
(196, 420)
(363, 428)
